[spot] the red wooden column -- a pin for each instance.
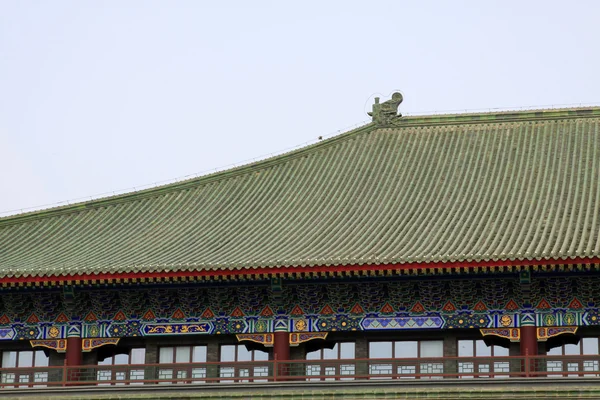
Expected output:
(281, 346)
(74, 353)
(529, 342)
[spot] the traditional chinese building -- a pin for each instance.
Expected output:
(438, 236)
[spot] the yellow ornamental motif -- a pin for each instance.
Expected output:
(94, 331)
(261, 326)
(300, 325)
(506, 320)
(569, 319)
(53, 332)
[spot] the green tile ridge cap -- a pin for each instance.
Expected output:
(497, 116)
(188, 183)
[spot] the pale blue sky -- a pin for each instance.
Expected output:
(97, 96)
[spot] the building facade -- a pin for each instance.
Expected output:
(434, 246)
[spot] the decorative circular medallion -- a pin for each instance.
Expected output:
(260, 326)
(94, 331)
(300, 325)
(569, 319)
(53, 332)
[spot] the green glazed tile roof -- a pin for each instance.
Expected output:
(471, 187)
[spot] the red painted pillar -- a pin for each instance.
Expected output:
(529, 343)
(73, 358)
(281, 352)
(74, 351)
(281, 346)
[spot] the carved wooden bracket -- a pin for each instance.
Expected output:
(91, 344)
(266, 339)
(512, 334)
(297, 338)
(59, 345)
(544, 334)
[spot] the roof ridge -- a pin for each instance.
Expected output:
(498, 110)
(186, 183)
(499, 116)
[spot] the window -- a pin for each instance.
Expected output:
(586, 346)
(487, 367)
(24, 359)
(114, 373)
(186, 355)
(405, 354)
(341, 351)
(246, 363)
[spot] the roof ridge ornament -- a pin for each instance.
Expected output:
(384, 113)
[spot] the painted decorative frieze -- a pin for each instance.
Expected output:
(301, 307)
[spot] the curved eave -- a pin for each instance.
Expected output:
(242, 274)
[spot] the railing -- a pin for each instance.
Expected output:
(304, 370)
